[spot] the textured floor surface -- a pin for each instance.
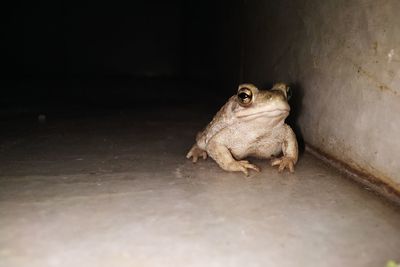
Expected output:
(116, 190)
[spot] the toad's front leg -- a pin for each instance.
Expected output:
(196, 152)
(221, 154)
(290, 152)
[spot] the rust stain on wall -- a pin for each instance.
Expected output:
(380, 85)
(382, 185)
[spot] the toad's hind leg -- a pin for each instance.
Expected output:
(224, 159)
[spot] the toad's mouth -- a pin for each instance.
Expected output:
(263, 113)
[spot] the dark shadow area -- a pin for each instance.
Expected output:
(91, 55)
(293, 119)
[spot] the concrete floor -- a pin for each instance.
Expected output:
(115, 189)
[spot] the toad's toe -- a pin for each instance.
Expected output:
(284, 163)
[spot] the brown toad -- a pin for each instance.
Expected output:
(251, 123)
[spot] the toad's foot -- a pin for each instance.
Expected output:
(284, 162)
(242, 166)
(195, 152)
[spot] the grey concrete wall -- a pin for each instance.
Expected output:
(344, 58)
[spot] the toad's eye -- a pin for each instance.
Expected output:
(244, 96)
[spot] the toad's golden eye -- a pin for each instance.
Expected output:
(244, 96)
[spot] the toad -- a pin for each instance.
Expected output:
(251, 123)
